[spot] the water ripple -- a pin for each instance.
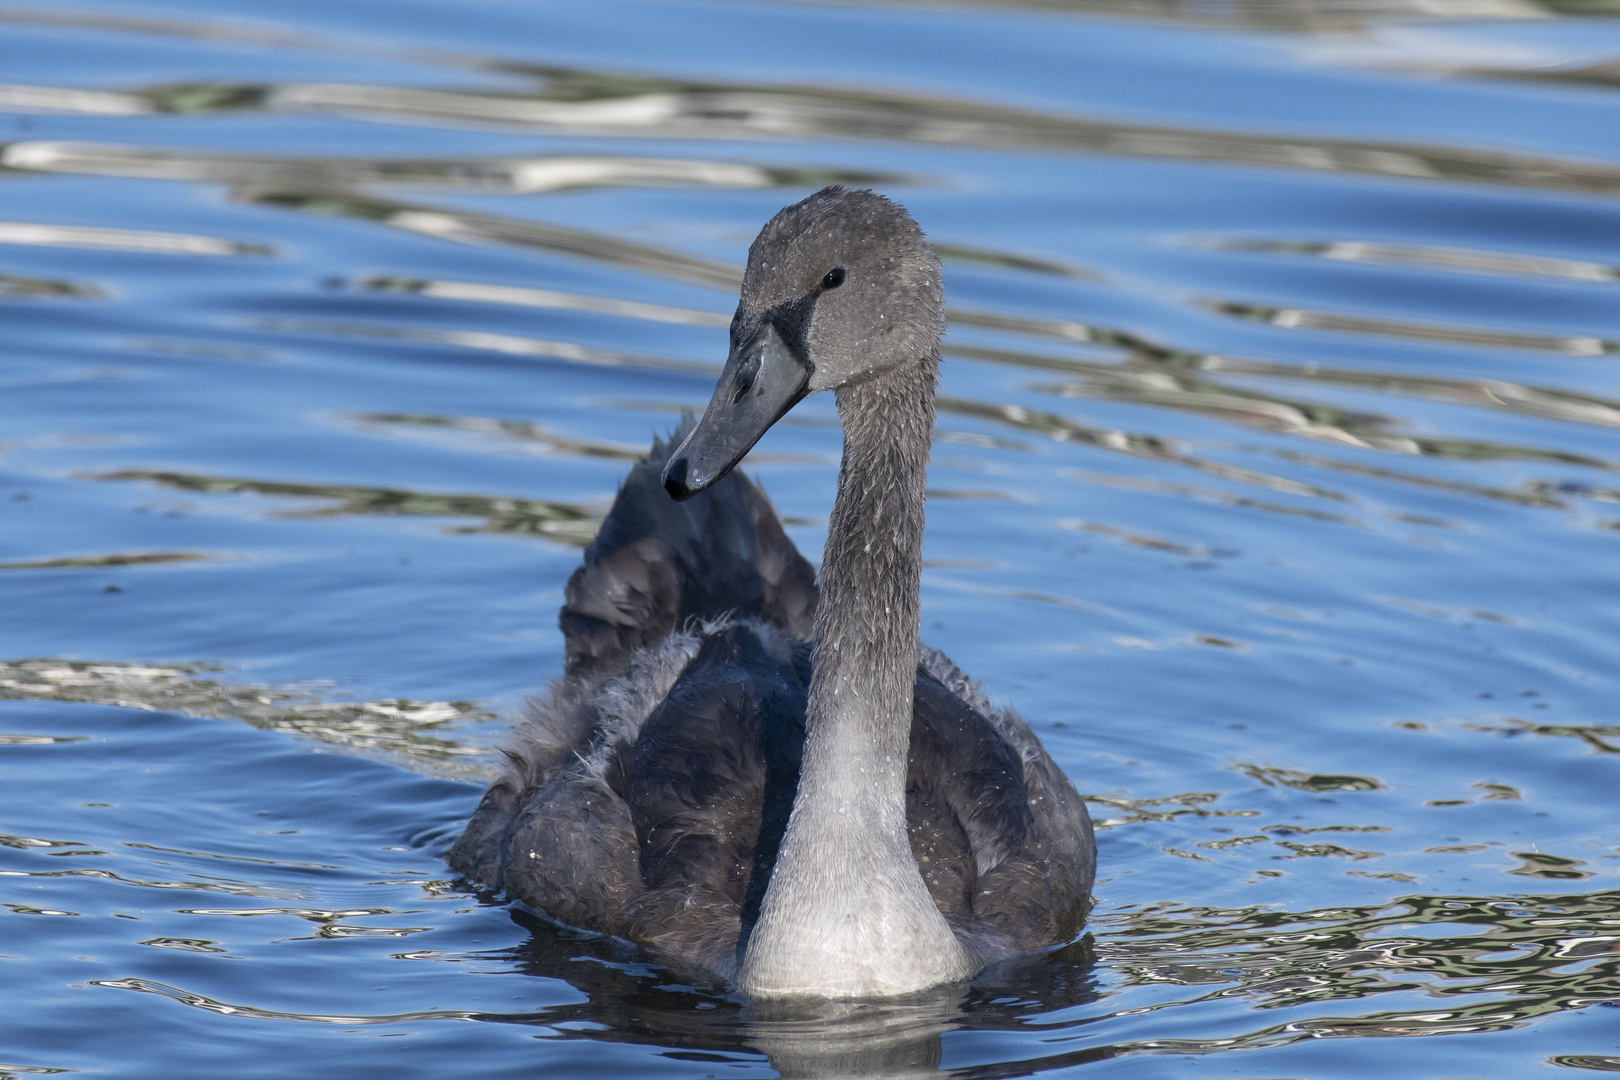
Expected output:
(1274, 481)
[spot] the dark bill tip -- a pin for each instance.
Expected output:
(763, 379)
(675, 480)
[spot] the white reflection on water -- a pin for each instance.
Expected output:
(546, 298)
(100, 239)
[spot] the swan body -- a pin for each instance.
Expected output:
(757, 774)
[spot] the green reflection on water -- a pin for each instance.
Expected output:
(514, 175)
(566, 522)
(577, 100)
(14, 287)
(1485, 964)
(147, 558)
(1593, 735)
(1302, 319)
(519, 430)
(1303, 781)
(1426, 257)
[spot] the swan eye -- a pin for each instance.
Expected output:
(834, 278)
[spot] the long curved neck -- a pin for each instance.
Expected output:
(846, 913)
(865, 658)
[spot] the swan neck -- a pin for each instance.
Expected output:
(865, 657)
(846, 913)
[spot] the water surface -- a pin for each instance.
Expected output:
(1276, 484)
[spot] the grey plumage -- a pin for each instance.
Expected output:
(801, 801)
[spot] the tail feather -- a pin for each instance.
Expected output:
(657, 564)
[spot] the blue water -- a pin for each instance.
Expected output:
(1275, 484)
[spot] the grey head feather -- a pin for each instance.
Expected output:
(888, 309)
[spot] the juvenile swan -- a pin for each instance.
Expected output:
(788, 792)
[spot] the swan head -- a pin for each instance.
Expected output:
(840, 288)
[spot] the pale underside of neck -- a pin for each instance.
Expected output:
(846, 913)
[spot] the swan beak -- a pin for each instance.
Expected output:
(763, 378)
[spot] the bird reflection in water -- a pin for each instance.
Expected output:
(631, 1000)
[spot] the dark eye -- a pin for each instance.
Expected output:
(834, 278)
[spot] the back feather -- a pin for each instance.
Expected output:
(657, 565)
(656, 570)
